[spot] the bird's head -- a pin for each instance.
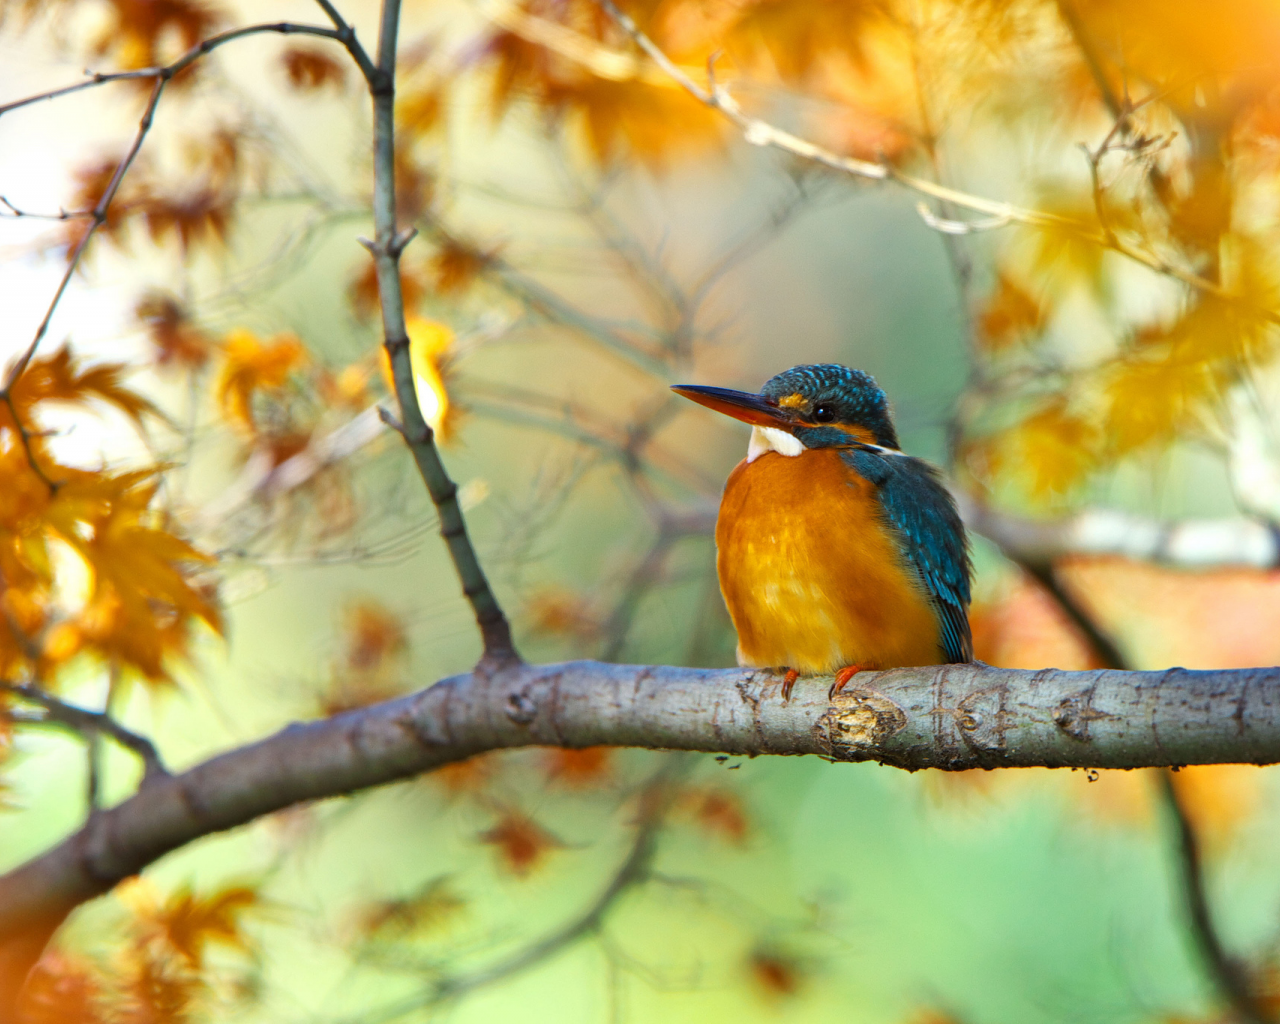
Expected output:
(820, 406)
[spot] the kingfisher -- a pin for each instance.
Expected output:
(836, 551)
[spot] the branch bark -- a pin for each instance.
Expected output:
(951, 717)
(386, 248)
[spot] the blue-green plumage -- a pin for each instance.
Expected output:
(930, 535)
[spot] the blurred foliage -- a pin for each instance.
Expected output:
(588, 234)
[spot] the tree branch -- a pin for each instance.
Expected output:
(386, 249)
(84, 721)
(951, 716)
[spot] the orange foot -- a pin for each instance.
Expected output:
(844, 675)
(788, 683)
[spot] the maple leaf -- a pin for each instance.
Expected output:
(797, 35)
(470, 775)
(250, 366)
(141, 603)
(186, 923)
(432, 909)
(555, 611)
(363, 291)
(419, 110)
(309, 68)
(177, 341)
(456, 265)
(374, 634)
(579, 768)
(521, 842)
(142, 33)
(61, 377)
(718, 812)
(1010, 314)
(1051, 452)
(61, 990)
(195, 217)
(776, 973)
(430, 348)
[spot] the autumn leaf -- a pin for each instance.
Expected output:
(251, 366)
(195, 217)
(555, 611)
(429, 911)
(521, 843)
(62, 377)
(374, 634)
(1050, 453)
(62, 989)
(309, 69)
(471, 775)
(176, 340)
(456, 265)
(775, 973)
(582, 768)
(718, 812)
(187, 923)
(1010, 315)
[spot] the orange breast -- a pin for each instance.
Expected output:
(810, 574)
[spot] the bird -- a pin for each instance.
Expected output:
(836, 551)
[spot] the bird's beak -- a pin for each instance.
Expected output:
(741, 405)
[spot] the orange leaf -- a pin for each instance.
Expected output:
(61, 377)
(521, 842)
(251, 366)
(309, 68)
(177, 341)
(578, 769)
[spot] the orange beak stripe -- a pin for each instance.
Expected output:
(741, 405)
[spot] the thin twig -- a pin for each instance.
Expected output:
(347, 36)
(760, 133)
(1228, 975)
(655, 799)
(168, 71)
(389, 242)
(162, 76)
(86, 722)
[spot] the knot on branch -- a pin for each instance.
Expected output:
(857, 722)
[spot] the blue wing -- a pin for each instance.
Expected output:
(923, 516)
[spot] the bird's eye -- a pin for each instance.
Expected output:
(824, 414)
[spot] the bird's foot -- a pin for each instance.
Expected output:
(788, 683)
(844, 675)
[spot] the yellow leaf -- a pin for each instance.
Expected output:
(251, 365)
(429, 346)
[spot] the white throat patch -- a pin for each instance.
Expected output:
(771, 439)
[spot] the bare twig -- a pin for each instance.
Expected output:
(655, 799)
(168, 71)
(98, 215)
(758, 132)
(88, 723)
(1228, 975)
(387, 247)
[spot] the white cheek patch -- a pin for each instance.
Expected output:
(771, 439)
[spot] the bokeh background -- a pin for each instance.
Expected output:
(592, 266)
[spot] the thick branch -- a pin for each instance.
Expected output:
(386, 248)
(950, 717)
